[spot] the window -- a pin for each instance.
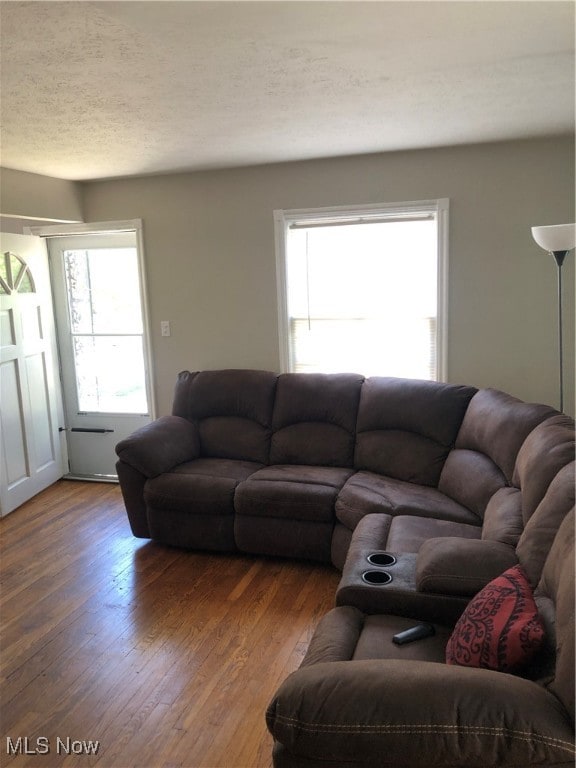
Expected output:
(15, 277)
(363, 289)
(106, 329)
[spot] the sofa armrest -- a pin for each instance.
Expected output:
(160, 445)
(389, 713)
(455, 566)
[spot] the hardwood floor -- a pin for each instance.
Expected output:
(165, 658)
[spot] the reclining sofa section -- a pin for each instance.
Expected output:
(359, 700)
(459, 484)
(290, 465)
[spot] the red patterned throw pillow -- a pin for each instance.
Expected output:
(500, 628)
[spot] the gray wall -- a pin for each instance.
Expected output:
(28, 198)
(210, 256)
(209, 240)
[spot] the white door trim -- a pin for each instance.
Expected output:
(86, 228)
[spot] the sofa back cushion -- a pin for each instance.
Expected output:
(406, 427)
(496, 424)
(314, 419)
(538, 534)
(503, 517)
(233, 410)
(492, 432)
(548, 448)
(555, 601)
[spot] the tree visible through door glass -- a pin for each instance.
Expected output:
(107, 329)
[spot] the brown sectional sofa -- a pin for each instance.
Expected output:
(458, 483)
(360, 700)
(289, 465)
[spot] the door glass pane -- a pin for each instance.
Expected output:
(25, 285)
(4, 261)
(15, 275)
(110, 374)
(103, 289)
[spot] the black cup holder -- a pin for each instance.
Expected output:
(381, 558)
(376, 577)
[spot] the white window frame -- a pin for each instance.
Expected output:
(284, 219)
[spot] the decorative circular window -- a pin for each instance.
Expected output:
(15, 275)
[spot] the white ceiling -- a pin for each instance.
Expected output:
(107, 89)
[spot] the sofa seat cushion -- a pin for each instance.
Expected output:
(347, 634)
(367, 493)
(202, 486)
(407, 533)
(295, 492)
(375, 641)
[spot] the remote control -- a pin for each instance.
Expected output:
(414, 633)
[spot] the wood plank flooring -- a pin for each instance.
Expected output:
(166, 658)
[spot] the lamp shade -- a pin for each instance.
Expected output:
(557, 237)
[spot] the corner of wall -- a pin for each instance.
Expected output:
(30, 196)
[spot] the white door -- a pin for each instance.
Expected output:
(100, 319)
(33, 449)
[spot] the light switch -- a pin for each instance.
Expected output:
(165, 327)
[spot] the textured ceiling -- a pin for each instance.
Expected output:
(107, 89)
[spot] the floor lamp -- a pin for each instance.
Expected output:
(557, 240)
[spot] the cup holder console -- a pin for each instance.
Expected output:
(381, 558)
(376, 577)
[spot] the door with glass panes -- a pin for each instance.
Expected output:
(32, 449)
(103, 346)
